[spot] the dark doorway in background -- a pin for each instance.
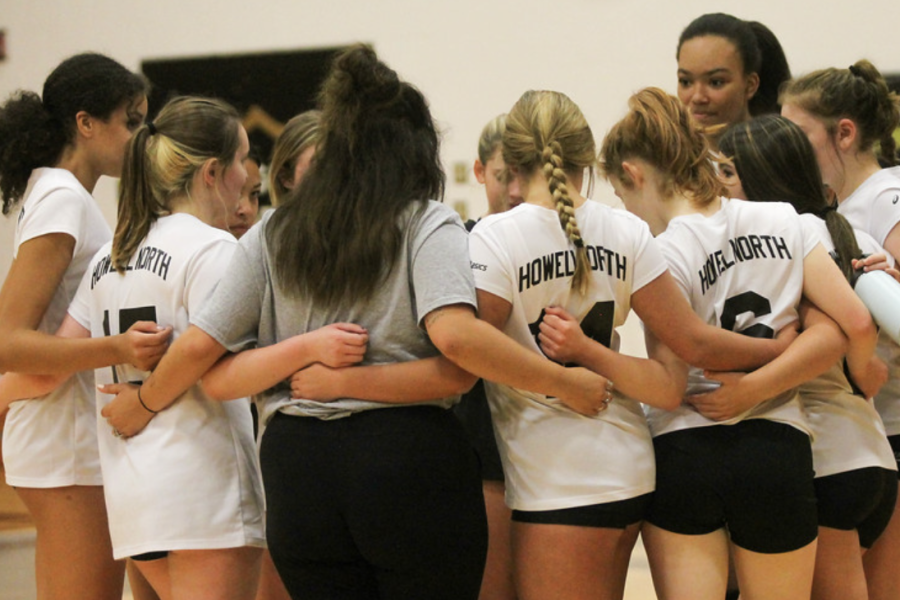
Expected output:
(267, 89)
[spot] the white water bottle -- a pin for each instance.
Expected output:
(881, 294)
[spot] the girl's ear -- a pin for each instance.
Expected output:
(84, 123)
(286, 178)
(209, 171)
(752, 85)
(478, 167)
(845, 134)
(634, 174)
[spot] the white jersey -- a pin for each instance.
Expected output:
(741, 269)
(875, 208)
(554, 458)
(190, 480)
(847, 432)
(52, 442)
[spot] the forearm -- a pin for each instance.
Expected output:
(646, 380)
(485, 351)
(825, 287)
(666, 313)
(818, 348)
(184, 364)
(17, 386)
(253, 371)
(718, 349)
(406, 382)
(861, 348)
(39, 353)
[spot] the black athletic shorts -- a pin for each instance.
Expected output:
(862, 499)
(755, 478)
(475, 415)
(385, 503)
(895, 446)
(614, 515)
(148, 556)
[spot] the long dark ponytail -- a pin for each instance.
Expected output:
(338, 234)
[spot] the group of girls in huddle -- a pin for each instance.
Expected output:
(349, 314)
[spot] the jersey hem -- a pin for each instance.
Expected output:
(580, 501)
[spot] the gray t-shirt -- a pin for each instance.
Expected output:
(432, 270)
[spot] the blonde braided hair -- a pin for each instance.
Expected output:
(557, 180)
(547, 130)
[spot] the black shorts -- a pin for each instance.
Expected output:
(894, 440)
(614, 515)
(148, 556)
(475, 415)
(385, 503)
(862, 499)
(754, 477)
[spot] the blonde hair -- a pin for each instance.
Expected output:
(547, 130)
(491, 138)
(858, 93)
(659, 129)
(298, 134)
(160, 163)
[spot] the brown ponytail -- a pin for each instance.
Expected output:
(659, 130)
(161, 161)
(858, 93)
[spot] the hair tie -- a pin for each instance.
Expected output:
(151, 127)
(579, 243)
(855, 70)
(828, 208)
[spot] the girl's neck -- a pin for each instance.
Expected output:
(857, 169)
(185, 204)
(200, 203)
(679, 205)
(73, 161)
(537, 191)
(545, 198)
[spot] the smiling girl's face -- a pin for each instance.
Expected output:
(712, 82)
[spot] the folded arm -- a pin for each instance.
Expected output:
(253, 371)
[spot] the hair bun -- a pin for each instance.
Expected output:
(358, 83)
(358, 79)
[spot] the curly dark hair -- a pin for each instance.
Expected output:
(34, 129)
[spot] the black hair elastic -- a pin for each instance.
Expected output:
(151, 127)
(141, 400)
(855, 70)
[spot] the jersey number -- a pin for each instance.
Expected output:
(597, 324)
(743, 303)
(127, 318)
